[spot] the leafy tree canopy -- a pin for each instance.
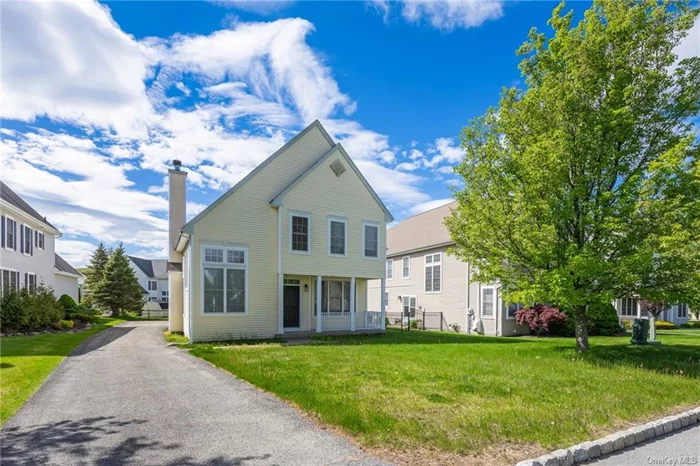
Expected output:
(584, 185)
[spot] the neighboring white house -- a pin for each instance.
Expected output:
(152, 275)
(288, 250)
(27, 254)
(420, 275)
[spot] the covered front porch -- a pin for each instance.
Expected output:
(342, 302)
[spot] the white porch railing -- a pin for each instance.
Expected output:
(365, 320)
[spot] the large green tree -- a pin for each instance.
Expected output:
(119, 289)
(95, 272)
(584, 180)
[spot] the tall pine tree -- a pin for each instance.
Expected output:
(118, 290)
(95, 272)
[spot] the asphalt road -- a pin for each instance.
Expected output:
(676, 449)
(124, 397)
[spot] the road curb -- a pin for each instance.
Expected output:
(624, 439)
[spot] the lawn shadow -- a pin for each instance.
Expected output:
(83, 442)
(665, 359)
(413, 337)
(6, 365)
(101, 339)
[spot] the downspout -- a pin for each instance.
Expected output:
(280, 283)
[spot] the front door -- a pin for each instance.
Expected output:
(292, 319)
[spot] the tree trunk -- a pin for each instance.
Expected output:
(581, 329)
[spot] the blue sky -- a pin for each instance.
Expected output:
(98, 98)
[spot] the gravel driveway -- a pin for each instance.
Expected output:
(124, 397)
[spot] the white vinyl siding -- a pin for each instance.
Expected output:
(390, 269)
(433, 273)
(370, 240)
(225, 284)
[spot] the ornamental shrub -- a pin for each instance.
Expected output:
(42, 308)
(66, 323)
(603, 319)
(67, 303)
(664, 325)
(540, 318)
(12, 311)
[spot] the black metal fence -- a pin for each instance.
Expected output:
(420, 320)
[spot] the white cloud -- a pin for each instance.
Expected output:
(444, 150)
(690, 46)
(263, 7)
(408, 166)
(221, 103)
(71, 62)
(429, 205)
(77, 253)
(445, 15)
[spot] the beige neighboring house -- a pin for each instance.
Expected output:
(420, 275)
(288, 250)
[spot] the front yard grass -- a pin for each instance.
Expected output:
(465, 396)
(25, 361)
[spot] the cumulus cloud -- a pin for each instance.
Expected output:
(445, 15)
(429, 205)
(121, 108)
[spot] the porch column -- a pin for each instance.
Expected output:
(319, 293)
(352, 304)
(383, 304)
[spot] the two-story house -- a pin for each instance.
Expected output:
(421, 275)
(152, 275)
(288, 250)
(27, 251)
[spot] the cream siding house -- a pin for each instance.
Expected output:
(27, 249)
(303, 231)
(421, 276)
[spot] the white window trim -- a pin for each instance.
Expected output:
(328, 301)
(19, 278)
(40, 244)
(7, 230)
(224, 265)
(678, 311)
(32, 275)
(505, 309)
(307, 215)
(149, 285)
(409, 296)
(426, 265)
(366, 223)
(495, 302)
(389, 266)
(406, 277)
(343, 220)
(635, 309)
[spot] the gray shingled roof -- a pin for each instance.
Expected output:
(63, 266)
(13, 198)
(422, 231)
(144, 264)
(153, 268)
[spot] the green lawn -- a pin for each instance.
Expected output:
(25, 361)
(468, 395)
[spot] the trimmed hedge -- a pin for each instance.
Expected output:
(664, 325)
(692, 324)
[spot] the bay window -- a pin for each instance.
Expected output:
(225, 282)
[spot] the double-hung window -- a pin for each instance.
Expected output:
(370, 240)
(152, 285)
(335, 296)
(682, 310)
(27, 244)
(390, 269)
(30, 282)
(337, 236)
(433, 273)
(409, 306)
(164, 296)
(299, 232)
(225, 274)
(406, 267)
(10, 280)
(488, 302)
(10, 233)
(39, 240)
(628, 307)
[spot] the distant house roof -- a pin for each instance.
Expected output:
(153, 268)
(422, 231)
(63, 266)
(12, 198)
